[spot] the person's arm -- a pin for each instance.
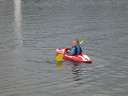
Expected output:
(72, 51)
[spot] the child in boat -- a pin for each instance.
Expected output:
(76, 49)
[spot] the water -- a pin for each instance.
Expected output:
(29, 28)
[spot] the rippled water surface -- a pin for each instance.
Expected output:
(31, 30)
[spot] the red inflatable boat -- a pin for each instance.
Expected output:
(82, 58)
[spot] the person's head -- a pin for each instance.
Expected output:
(75, 42)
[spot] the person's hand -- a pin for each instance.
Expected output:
(68, 51)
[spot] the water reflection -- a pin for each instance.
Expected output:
(75, 68)
(18, 21)
(76, 71)
(59, 65)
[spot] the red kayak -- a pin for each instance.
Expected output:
(82, 58)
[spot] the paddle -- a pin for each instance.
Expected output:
(81, 42)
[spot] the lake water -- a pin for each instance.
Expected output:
(31, 30)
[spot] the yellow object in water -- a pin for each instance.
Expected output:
(59, 57)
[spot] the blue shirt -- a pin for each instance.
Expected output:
(75, 50)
